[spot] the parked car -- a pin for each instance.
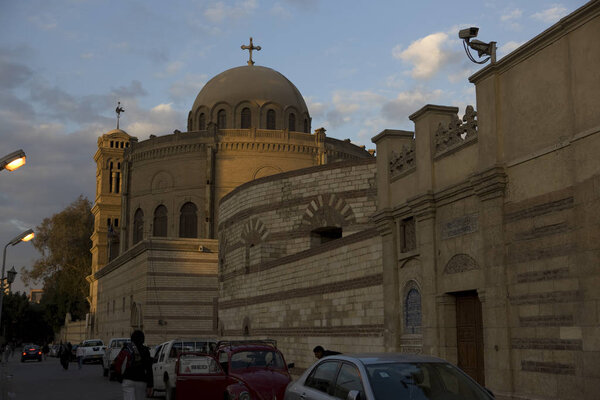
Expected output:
(31, 352)
(114, 347)
(93, 350)
(390, 376)
(242, 370)
(165, 358)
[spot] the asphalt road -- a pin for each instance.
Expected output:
(47, 380)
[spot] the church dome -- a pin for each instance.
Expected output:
(252, 87)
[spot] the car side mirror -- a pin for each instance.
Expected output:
(353, 395)
(291, 365)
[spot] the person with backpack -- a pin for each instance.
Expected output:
(133, 368)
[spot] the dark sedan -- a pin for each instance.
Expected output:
(392, 376)
(31, 352)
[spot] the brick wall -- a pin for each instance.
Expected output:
(275, 284)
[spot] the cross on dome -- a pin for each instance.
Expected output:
(250, 48)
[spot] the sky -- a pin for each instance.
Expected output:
(361, 66)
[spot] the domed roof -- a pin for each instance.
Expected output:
(250, 83)
(117, 132)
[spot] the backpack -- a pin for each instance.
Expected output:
(126, 359)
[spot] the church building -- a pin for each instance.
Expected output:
(474, 237)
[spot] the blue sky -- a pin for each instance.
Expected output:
(361, 66)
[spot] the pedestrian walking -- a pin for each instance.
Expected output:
(133, 366)
(65, 355)
(45, 350)
(79, 354)
(320, 352)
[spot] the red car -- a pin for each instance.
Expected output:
(241, 370)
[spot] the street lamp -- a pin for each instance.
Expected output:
(11, 274)
(23, 237)
(13, 160)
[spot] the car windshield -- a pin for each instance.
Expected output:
(120, 343)
(257, 358)
(182, 347)
(422, 381)
(92, 343)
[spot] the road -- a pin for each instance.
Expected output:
(47, 380)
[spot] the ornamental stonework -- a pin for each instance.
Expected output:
(460, 263)
(402, 161)
(457, 132)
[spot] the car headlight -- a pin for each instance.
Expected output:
(245, 396)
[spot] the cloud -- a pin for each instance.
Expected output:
(174, 67)
(218, 12)
(407, 102)
(279, 11)
(394, 82)
(13, 74)
(87, 56)
(511, 15)
(186, 90)
(44, 22)
(349, 106)
(461, 74)
(160, 120)
(552, 14)
(171, 69)
(427, 55)
(316, 109)
(508, 47)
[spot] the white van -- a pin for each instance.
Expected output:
(163, 367)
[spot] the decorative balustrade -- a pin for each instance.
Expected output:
(403, 161)
(456, 133)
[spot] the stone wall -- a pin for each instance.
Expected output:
(499, 207)
(168, 288)
(276, 282)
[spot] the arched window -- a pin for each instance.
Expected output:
(188, 221)
(222, 119)
(412, 311)
(160, 221)
(306, 125)
(292, 122)
(246, 118)
(271, 119)
(138, 226)
(201, 122)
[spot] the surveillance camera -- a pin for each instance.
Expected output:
(468, 33)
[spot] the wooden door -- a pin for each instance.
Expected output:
(469, 334)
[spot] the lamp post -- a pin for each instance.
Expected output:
(23, 237)
(13, 160)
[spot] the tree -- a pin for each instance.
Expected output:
(64, 243)
(24, 321)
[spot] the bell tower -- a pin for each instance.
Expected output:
(107, 207)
